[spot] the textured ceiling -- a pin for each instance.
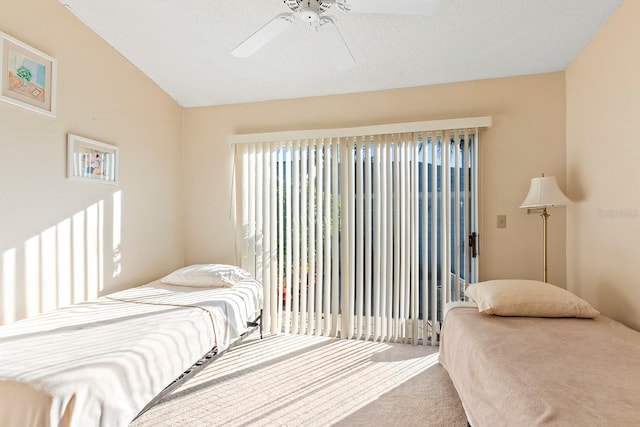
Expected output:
(184, 45)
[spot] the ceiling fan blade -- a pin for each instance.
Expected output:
(399, 7)
(334, 45)
(264, 35)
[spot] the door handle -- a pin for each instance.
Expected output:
(473, 244)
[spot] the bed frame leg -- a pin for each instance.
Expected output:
(257, 323)
(202, 363)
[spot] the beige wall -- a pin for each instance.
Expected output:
(63, 241)
(527, 138)
(603, 151)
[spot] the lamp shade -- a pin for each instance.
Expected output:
(544, 192)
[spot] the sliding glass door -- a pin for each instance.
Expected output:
(361, 237)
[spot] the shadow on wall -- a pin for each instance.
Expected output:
(612, 302)
(63, 264)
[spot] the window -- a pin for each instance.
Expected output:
(351, 235)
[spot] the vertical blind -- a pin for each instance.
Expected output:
(359, 237)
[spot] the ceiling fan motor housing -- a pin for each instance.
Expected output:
(319, 6)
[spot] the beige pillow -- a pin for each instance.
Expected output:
(528, 298)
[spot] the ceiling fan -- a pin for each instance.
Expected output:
(312, 12)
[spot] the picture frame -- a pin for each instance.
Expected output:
(91, 160)
(27, 76)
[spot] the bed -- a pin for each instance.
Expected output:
(528, 370)
(101, 362)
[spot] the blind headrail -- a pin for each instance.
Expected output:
(384, 129)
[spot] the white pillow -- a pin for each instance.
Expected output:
(528, 298)
(207, 276)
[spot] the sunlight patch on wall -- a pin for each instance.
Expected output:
(94, 249)
(32, 276)
(63, 264)
(8, 285)
(64, 257)
(48, 280)
(117, 233)
(78, 257)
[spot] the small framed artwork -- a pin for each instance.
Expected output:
(90, 160)
(28, 76)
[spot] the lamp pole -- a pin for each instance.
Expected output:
(544, 214)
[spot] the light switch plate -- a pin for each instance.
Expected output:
(502, 221)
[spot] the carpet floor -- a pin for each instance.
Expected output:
(293, 380)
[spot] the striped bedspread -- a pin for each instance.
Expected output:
(98, 363)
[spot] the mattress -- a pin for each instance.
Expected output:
(523, 371)
(98, 363)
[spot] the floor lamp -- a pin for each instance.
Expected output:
(544, 193)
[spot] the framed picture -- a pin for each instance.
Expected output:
(89, 160)
(28, 76)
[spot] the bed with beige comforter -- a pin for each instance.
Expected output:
(530, 371)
